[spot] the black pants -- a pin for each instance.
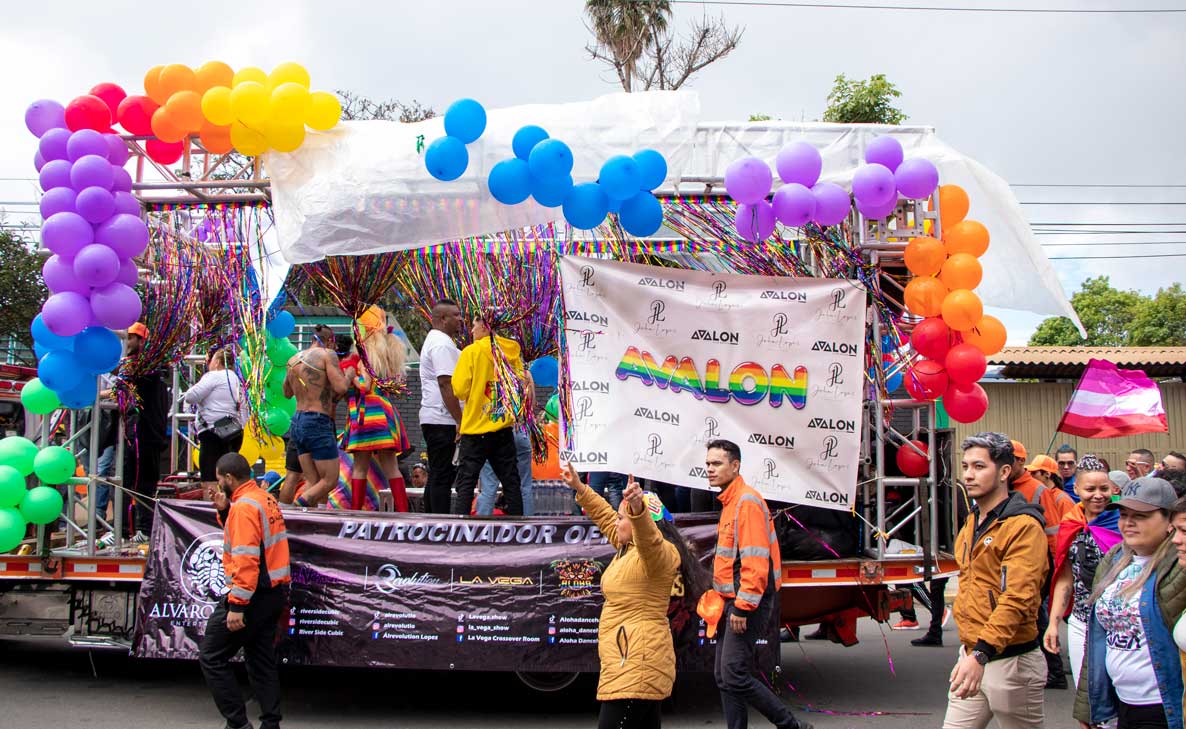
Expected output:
(499, 449)
(735, 666)
(142, 471)
(211, 448)
(1141, 717)
(1054, 668)
(629, 714)
(439, 441)
(935, 590)
(258, 641)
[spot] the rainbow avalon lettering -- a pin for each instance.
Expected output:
(748, 383)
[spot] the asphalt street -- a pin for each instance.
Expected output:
(46, 683)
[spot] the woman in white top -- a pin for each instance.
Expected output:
(220, 405)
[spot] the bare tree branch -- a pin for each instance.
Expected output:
(360, 108)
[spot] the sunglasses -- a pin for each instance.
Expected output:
(1066, 464)
(1137, 463)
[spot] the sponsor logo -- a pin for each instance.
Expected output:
(600, 386)
(583, 408)
(586, 276)
(826, 460)
(832, 387)
(653, 321)
(769, 469)
(780, 325)
(657, 309)
(661, 416)
(496, 581)
(698, 472)
(202, 576)
(718, 336)
(596, 458)
(837, 309)
(654, 444)
(661, 283)
(829, 449)
(577, 577)
(749, 383)
(388, 578)
(826, 497)
(718, 290)
(844, 348)
(795, 296)
(786, 442)
(843, 426)
(586, 341)
(712, 429)
(718, 298)
(587, 317)
(779, 335)
(835, 374)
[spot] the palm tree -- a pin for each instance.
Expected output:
(624, 29)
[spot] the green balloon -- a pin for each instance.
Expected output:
(287, 404)
(39, 399)
(19, 453)
(552, 408)
(278, 421)
(274, 387)
(12, 487)
(280, 350)
(54, 465)
(41, 505)
(12, 529)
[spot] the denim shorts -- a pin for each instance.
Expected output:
(314, 433)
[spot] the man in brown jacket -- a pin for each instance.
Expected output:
(1002, 556)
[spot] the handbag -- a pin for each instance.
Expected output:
(227, 427)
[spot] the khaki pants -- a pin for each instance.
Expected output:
(1012, 691)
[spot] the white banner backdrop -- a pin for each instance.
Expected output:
(664, 360)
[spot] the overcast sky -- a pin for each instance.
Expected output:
(1040, 99)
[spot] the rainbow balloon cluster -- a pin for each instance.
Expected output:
(802, 198)
(19, 505)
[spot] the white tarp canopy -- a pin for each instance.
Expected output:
(363, 188)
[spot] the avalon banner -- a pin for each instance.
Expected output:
(661, 361)
(412, 590)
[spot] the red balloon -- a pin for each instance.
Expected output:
(965, 364)
(111, 95)
(88, 112)
(135, 114)
(926, 380)
(931, 338)
(911, 463)
(965, 403)
(165, 153)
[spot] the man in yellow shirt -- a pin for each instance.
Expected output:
(487, 431)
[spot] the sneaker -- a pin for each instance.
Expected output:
(905, 624)
(786, 635)
(930, 639)
(107, 541)
(139, 538)
(946, 616)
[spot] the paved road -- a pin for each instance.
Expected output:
(47, 684)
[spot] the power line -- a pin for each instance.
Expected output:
(1112, 258)
(1098, 202)
(1055, 231)
(1129, 244)
(929, 8)
(1071, 184)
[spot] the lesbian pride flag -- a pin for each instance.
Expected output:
(1110, 402)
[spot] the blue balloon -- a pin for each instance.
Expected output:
(620, 178)
(47, 339)
(98, 349)
(82, 395)
(510, 181)
(652, 168)
(446, 159)
(39, 351)
(894, 382)
(282, 324)
(550, 159)
(525, 140)
(615, 206)
(60, 371)
(551, 193)
(465, 119)
(641, 215)
(545, 371)
(586, 206)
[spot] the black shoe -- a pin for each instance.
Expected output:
(820, 633)
(786, 635)
(1056, 682)
(930, 639)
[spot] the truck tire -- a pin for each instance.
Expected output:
(547, 682)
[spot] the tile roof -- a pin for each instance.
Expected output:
(1069, 362)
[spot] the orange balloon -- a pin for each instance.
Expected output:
(953, 205)
(961, 271)
(186, 108)
(967, 236)
(166, 127)
(988, 336)
(962, 310)
(213, 73)
(925, 295)
(216, 139)
(152, 85)
(924, 256)
(177, 77)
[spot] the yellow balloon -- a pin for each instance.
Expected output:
(250, 73)
(250, 448)
(248, 141)
(250, 102)
(289, 102)
(324, 110)
(216, 106)
(289, 72)
(284, 137)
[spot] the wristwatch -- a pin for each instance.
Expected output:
(981, 657)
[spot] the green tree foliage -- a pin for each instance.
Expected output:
(21, 289)
(863, 102)
(759, 117)
(1116, 318)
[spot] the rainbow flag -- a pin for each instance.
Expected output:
(1110, 402)
(339, 498)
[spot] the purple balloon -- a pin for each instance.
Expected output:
(66, 314)
(57, 200)
(43, 115)
(96, 264)
(799, 162)
(117, 150)
(832, 203)
(748, 180)
(878, 212)
(55, 173)
(884, 151)
(67, 233)
(122, 180)
(54, 144)
(755, 223)
(86, 142)
(873, 184)
(95, 204)
(116, 306)
(126, 203)
(38, 160)
(92, 171)
(793, 204)
(128, 275)
(917, 178)
(126, 234)
(58, 273)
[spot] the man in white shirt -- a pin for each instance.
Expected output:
(440, 411)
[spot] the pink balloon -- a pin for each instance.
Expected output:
(128, 275)
(832, 203)
(67, 233)
(96, 264)
(127, 204)
(58, 273)
(66, 314)
(755, 223)
(116, 306)
(794, 205)
(126, 234)
(57, 200)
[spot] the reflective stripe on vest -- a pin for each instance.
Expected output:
(746, 551)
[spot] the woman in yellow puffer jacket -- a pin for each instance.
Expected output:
(634, 637)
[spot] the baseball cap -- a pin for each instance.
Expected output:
(1019, 450)
(1043, 463)
(139, 330)
(1119, 478)
(1147, 493)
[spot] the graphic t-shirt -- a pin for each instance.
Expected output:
(1084, 557)
(1129, 663)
